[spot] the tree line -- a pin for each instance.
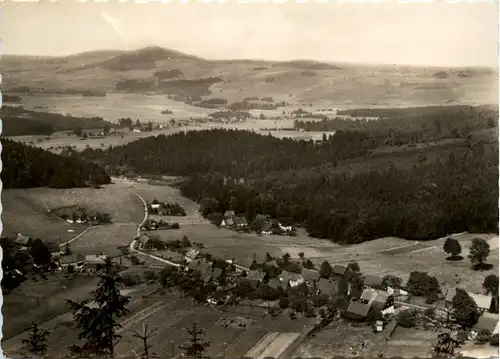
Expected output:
(28, 166)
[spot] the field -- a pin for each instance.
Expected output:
(42, 300)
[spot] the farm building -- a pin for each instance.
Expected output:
(193, 254)
(357, 311)
(23, 241)
(310, 275)
(374, 282)
(240, 221)
(246, 264)
(488, 323)
(483, 301)
(72, 260)
(95, 262)
(145, 242)
(327, 287)
(338, 270)
(274, 283)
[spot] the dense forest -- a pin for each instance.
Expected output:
(411, 125)
(26, 167)
(17, 121)
(425, 192)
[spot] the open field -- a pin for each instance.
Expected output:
(42, 300)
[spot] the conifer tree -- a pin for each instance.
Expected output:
(98, 326)
(37, 340)
(196, 346)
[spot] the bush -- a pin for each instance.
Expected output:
(130, 280)
(310, 313)
(494, 340)
(484, 336)
(407, 318)
(284, 303)
(293, 315)
(150, 275)
(430, 312)
(175, 226)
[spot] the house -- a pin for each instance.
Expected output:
(483, 301)
(145, 242)
(295, 280)
(485, 323)
(23, 241)
(357, 311)
(338, 270)
(193, 254)
(310, 275)
(274, 283)
(327, 287)
(246, 264)
(374, 282)
(95, 262)
(72, 260)
(240, 221)
(217, 274)
(256, 275)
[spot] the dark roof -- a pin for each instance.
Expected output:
(339, 270)
(325, 286)
(246, 262)
(486, 322)
(203, 268)
(373, 281)
(194, 264)
(357, 310)
(310, 274)
(217, 273)
(274, 283)
(256, 275)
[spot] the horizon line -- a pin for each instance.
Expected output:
(329, 62)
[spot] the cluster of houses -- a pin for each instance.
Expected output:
(375, 295)
(268, 225)
(165, 209)
(152, 225)
(80, 216)
(82, 263)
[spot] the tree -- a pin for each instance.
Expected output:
(478, 252)
(325, 270)
(37, 340)
(445, 346)
(494, 340)
(452, 247)
(284, 302)
(353, 267)
(67, 249)
(407, 318)
(308, 264)
(196, 346)
(78, 132)
(301, 255)
(422, 285)
(490, 285)
(144, 336)
(168, 277)
(106, 129)
(269, 258)
(483, 336)
(185, 242)
(40, 252)
(392, 281)
(465, 310)
(98, 326)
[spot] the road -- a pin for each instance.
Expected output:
(134, 242)
(272, 345)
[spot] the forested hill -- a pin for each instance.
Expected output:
(231, 152)
(341, 189)
(27, 166)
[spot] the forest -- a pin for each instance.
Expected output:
(449, 188)
(28, 167)
(18, 121)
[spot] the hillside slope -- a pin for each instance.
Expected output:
(159, 70)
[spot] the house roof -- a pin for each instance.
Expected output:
(22, 239)
(194, 265)
(285, 277)
(486, 322)
(246, 262)
(217, 273)
(310, 274)
(373, 281)
(95, 259)
(482, 301)
(274, 283)
(295, 277)
(256, 275)
(203, 267)
(325, 286)
(72, 258)
(449, 296)
(229, 214)
(339, 270)
(358, 309)
(369, 294)
(192, 253)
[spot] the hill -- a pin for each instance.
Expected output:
(28, 167)
(300, 82)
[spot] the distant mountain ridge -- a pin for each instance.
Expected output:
(301, 82)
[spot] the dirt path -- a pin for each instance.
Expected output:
(272, 345)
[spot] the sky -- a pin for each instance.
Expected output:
(428, 34)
